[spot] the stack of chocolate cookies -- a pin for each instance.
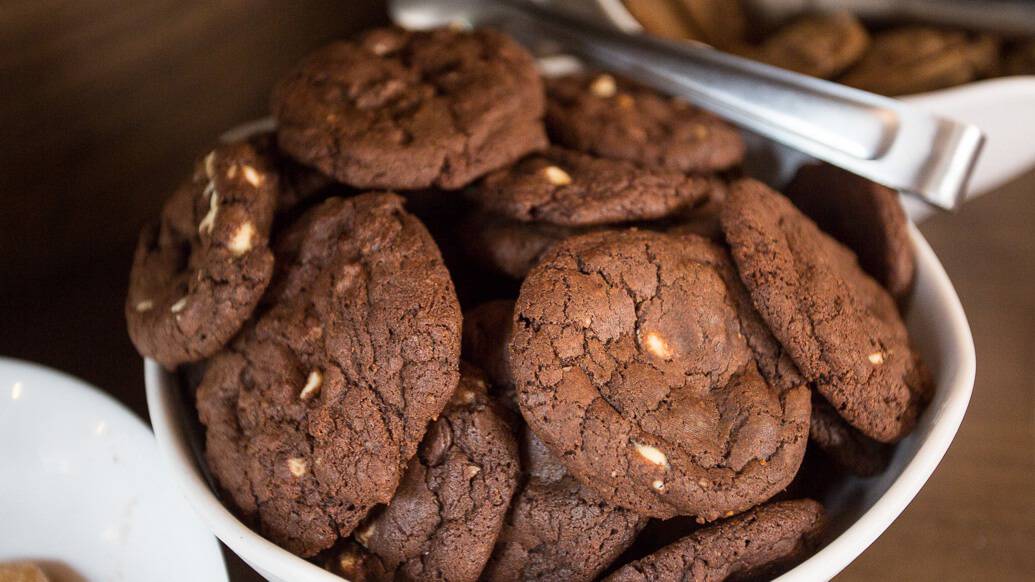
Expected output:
(650, 339)
(890, 59)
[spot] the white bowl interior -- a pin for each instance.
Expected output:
(859, 509)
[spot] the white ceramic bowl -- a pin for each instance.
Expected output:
(860, 509)
(82, 491)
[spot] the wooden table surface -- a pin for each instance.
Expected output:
(104, 103)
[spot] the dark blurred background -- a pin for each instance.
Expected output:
(105, 103)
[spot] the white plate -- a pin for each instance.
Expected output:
(82, 491)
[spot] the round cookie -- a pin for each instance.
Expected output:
(764, 538)
(313, 412)
(838, 325)
(633, 364)
(557, 530)
(569, 188)
(198, 274)
(443, 521)
(864, 216)
(613, 118)
(405, 109)
(821, 45)
(845, 445)
(914, 59)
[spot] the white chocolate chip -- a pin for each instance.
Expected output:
(252, 176)
(381, 48)
(347, 560)
(651, 454)
(876, 358)
(604, 86)
(231, 172)
(470, 471)
(297, 466)
(658, 485)
(241, 241)
(363, 535)
(657, 345)
(145, 305)
(463, 396)
(179, 305)
(556, 176)
(209, 222)
(210, 164)
(312, 385)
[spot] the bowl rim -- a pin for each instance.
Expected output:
(951, 401)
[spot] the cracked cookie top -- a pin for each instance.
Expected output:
(403, 109)
(840, 327)
(749, 544)
(313, 412)
(444, 519)
(634, 363)
(862, 215)
(557, 529)
(199, 273)
(569, 188)
(613, 118)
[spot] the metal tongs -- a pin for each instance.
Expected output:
(882, 139)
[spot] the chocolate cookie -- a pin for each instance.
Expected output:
(633, 364)
(510, 247)
(864, 216)
(569, 188)
(822, 44)
(199, 273)
(845, 445)
(486, 334)
(402, 109)
(557, 529)
(613, 118)
(766, 536)
(443, 521)
(313, 412)
(664, 18)
(914, 59)
(722, 24)
(838, 325)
